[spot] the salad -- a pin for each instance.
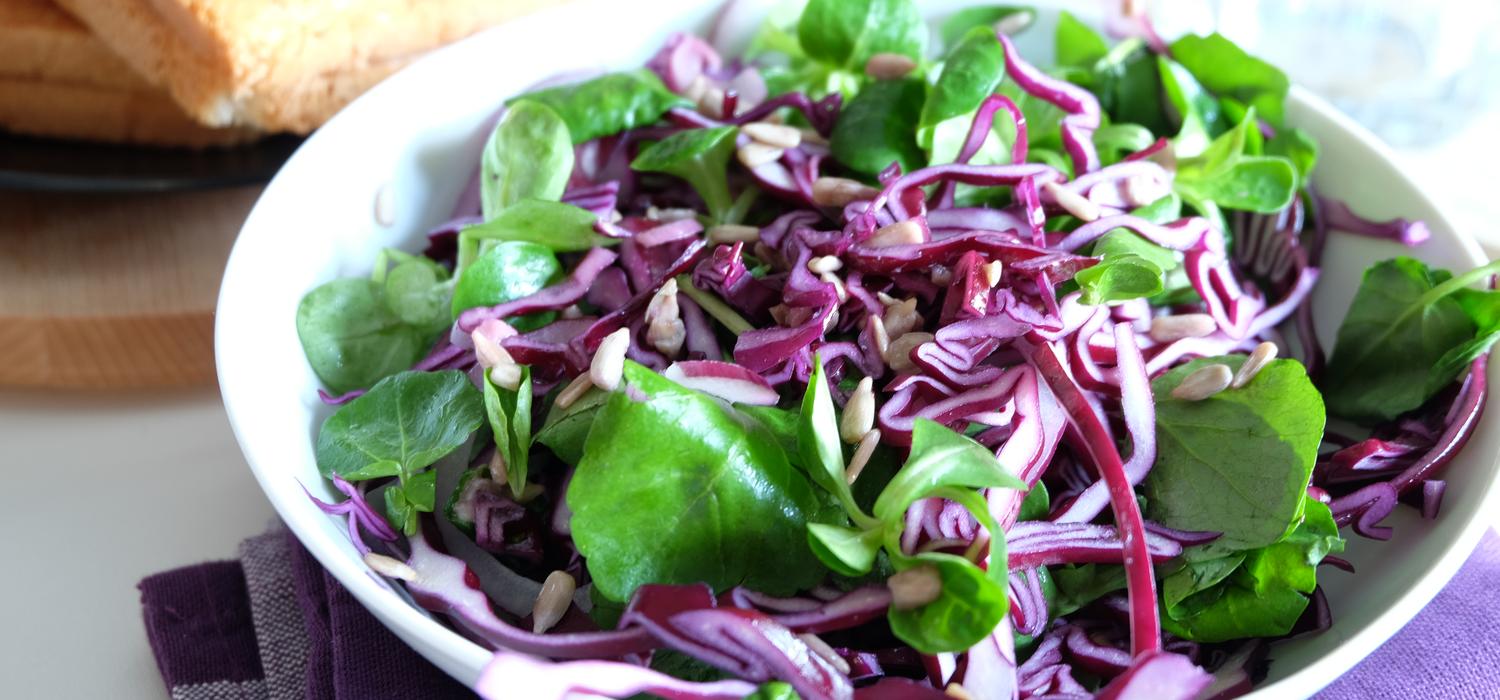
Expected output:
(880, 362)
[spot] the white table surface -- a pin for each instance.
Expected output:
(100, 491)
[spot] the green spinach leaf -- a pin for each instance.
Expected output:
(1297, 146)
(1077, 44)
(1224, 175)
(940, 458)
(708, 487)
(508, 270)
(1037, 504)
(529, 156)
(818, 444)
(352, 338)
(509, 414)
(775, 690)
(972, 71)
(700, 156)
(970, 607)
(608, 104)
(566, 429)
(401, 425)
(965, 611)
(877, 127)
(1082, 584)
(1258, 593)
(844, 550)
(1119, 277)
(1193, 109)
(847, 33)
(953, 29)
(561, 228)
(1228, 71)
(1237, 462)
(1407, 335)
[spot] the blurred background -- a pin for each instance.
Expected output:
(133, 144)
(1422, 75)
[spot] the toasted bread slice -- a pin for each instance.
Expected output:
(57, 79)
(285, 65)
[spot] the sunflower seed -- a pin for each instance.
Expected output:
(859, 412)
(878, 335)
(1167, 329)
(756, 154)
(667, 336)
(889, 66)
(488, 352)
(390, 567)
(498, 468)
(1258, 359)
(899, 233)
(609, 360)
(840, 191)
(553, 601)
(778, 135)
(825, 263)
(902, 318)
(694, 91)
(838, 285)
(574, 390)
(1204, 383)
(898, 356)
(670, 214)
(1072, 202)
(992, 273)
(861, 456)
(711, 102)
(915, 587)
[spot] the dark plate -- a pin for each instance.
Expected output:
(75, 166)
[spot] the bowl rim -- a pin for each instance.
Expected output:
(463, 658)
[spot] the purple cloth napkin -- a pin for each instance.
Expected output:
(275, 626)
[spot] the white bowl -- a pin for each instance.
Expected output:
(411, 143)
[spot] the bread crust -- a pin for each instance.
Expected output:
(38, 41)
(93, 113)
(286, 65)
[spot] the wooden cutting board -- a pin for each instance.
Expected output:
(113, 291)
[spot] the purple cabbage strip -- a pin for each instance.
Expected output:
(1159, 676)
(600, 199)
(991, 664)
(1139, 409)
(978, 175)
(513, 675)
(1337, 216)
(760, 649)
(1034, 543)
(1080, 104)
(341, 399)
(359, 514)
(1145, 626)
(1366, 508)
(445, 585)
(1432, 497)
(552, 298)
(1184, 234)
(682, 60)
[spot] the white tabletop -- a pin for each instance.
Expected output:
(101, 491)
